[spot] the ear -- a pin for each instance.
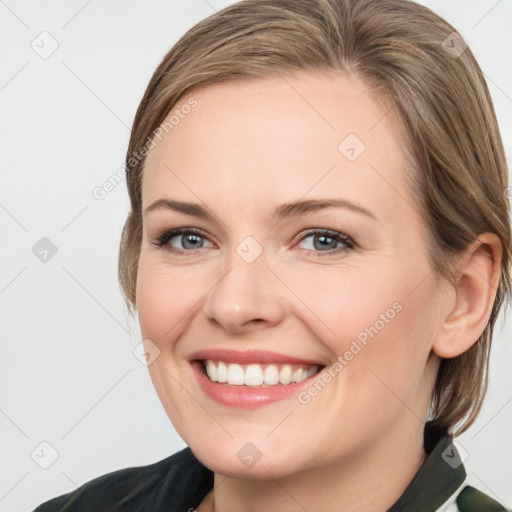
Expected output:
(472, 297)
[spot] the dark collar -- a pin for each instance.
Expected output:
(438, 478)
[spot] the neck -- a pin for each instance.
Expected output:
(371, 482)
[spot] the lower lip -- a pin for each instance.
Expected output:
(246, 397)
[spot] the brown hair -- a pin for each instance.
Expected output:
(411, 57)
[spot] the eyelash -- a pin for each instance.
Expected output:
(161, 241)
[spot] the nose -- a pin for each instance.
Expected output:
(247, 297)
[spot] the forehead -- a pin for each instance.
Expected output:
(261, 141)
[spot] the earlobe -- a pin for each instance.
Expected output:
(478, 274)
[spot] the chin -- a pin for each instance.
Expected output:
(245, 460)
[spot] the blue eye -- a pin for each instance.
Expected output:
(326, 240)
(189, 238)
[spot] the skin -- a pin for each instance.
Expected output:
(247, 147)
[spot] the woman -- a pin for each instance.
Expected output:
(317, 250)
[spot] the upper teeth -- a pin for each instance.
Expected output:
(257, 374)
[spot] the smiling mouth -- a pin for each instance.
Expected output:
(256, 374)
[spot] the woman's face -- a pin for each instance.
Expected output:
(264, 283)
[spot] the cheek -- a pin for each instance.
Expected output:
(164, 298)
(372, 320)
(390, 370)
(346, 303)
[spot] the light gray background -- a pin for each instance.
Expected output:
(69, 377)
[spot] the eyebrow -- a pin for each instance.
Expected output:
(296, 208)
